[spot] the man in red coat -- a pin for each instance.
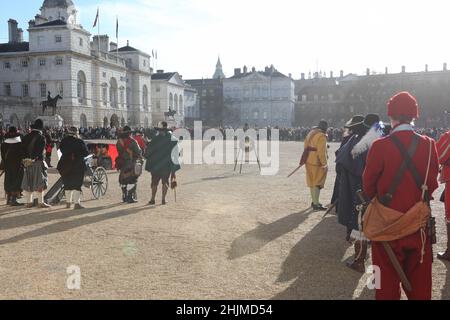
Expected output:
(413, 252)
(443, 147)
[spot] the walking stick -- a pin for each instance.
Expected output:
(173, 186)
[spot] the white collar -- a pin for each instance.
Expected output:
(403, 127)
(13, 140)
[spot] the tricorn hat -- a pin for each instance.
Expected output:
(356, 120)
(371, 119)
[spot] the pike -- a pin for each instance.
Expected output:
(295, 171)
(330, 208)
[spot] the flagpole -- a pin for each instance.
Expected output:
(98, 31)
(117, 38)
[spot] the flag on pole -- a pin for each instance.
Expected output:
(96, 18)
(117, 27)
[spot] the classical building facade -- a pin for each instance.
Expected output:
(336, 99)
(168, 94)
(210, 98)
(100, 84)
(191, 106)
(259, 98)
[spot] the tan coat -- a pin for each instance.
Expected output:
(316, 165)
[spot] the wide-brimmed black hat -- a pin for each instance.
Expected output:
(38, 125)
(12, 133)
(356, 120)
(323, 125)
(371, 119)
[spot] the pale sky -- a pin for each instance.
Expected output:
(294, 35)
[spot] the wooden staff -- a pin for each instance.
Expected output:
(295, 171)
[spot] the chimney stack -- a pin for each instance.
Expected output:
(253, 69)
(403, 69)
(20, 35)
(237, 71)
(386, 70)
(160, 71)
(331, 75)
(316, 75)
(342, 73)
(445, 66)
(426, 68)
(303, 76)
(245, 69)
(12, 30)
(367, 72)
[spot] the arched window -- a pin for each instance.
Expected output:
(105, 94)
(145, 97)
(83, 121)
(81, 88)
(113, 93)
(171, 101)
(175, 102)
(122, 97)
(181, 107)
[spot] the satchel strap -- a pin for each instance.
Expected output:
(407, 164)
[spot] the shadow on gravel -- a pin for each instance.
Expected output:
(315, 264)
(72, 224)
(254, 240)
(33, 217)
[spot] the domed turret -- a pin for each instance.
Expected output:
(59, 10)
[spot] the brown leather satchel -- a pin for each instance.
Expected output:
(382, 223)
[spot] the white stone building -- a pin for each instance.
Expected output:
(259, 98)
(168, 91)
(100, 84)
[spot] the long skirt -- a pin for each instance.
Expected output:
(35, 177)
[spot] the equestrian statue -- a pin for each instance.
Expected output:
(170, 114)
(50, 103)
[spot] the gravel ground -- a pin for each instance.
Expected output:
(229, 236)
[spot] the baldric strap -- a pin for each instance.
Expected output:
(407, 164)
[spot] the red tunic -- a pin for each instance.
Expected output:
(383, 162)
(443, 147)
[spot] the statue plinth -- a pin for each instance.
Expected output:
(55, 121)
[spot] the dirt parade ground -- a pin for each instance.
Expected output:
(228, 236)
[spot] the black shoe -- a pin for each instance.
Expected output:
(13, 202)
(152, 203)
(319, 207)
(164, 202)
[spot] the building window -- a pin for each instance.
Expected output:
(59, 61)
(42, 62)
(81, 42)
(8, 90)
(122, 97)
(24, 63)
(104, 74)
(7, 65)
(25, 90)
(158, 89)
(40, 41)
(60, 89)
(105, 94)
(58, 39)
(158, 105)
(43, 90)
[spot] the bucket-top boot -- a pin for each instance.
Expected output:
(446, 255)
(358, 263)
